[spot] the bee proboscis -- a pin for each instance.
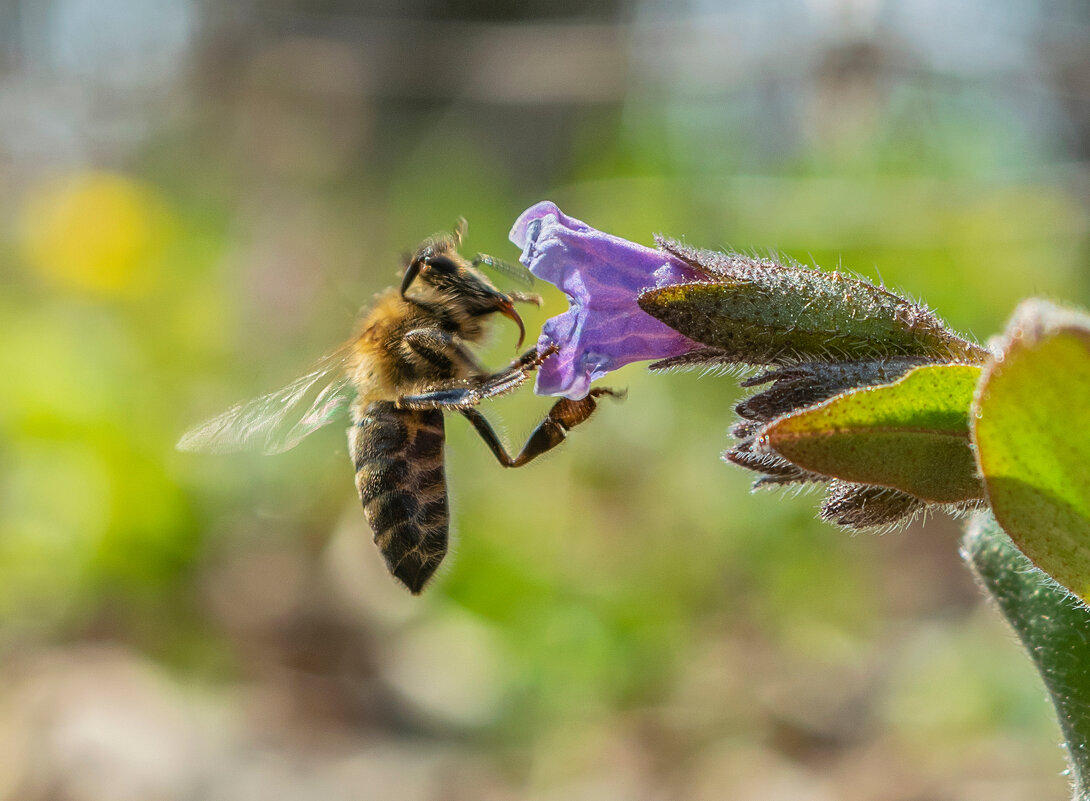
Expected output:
(406, 365)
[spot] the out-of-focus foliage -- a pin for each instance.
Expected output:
(198, 197)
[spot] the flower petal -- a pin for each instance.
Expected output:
(602, 275)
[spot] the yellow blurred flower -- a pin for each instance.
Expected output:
(93, 231)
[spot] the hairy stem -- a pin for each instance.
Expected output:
(1053, 626)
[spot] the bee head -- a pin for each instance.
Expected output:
(455, 279)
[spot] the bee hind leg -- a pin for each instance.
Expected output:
(565, 415)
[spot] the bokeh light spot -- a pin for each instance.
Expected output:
(92, 231)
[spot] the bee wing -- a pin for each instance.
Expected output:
(267, 422)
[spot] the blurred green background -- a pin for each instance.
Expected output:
(197, 198)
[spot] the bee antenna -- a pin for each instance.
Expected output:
(516, 272)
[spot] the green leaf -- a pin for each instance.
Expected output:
(1052, 626)
(911, 435)
(1032, 432)
(761, 312)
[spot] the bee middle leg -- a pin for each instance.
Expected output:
(465, 393)
(565, 415)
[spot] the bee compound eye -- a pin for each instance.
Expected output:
(442, 264)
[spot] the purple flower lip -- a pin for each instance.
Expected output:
(602, 275)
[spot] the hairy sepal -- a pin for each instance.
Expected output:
(911, 435)
(761, 312)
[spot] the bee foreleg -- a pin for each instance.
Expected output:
(440, 350)
(526, 297)
(565, 415)
(515, 374)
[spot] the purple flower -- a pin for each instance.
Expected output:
(601, 274)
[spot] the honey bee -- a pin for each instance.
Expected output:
(406, 365)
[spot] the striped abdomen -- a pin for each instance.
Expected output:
(399, 474)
